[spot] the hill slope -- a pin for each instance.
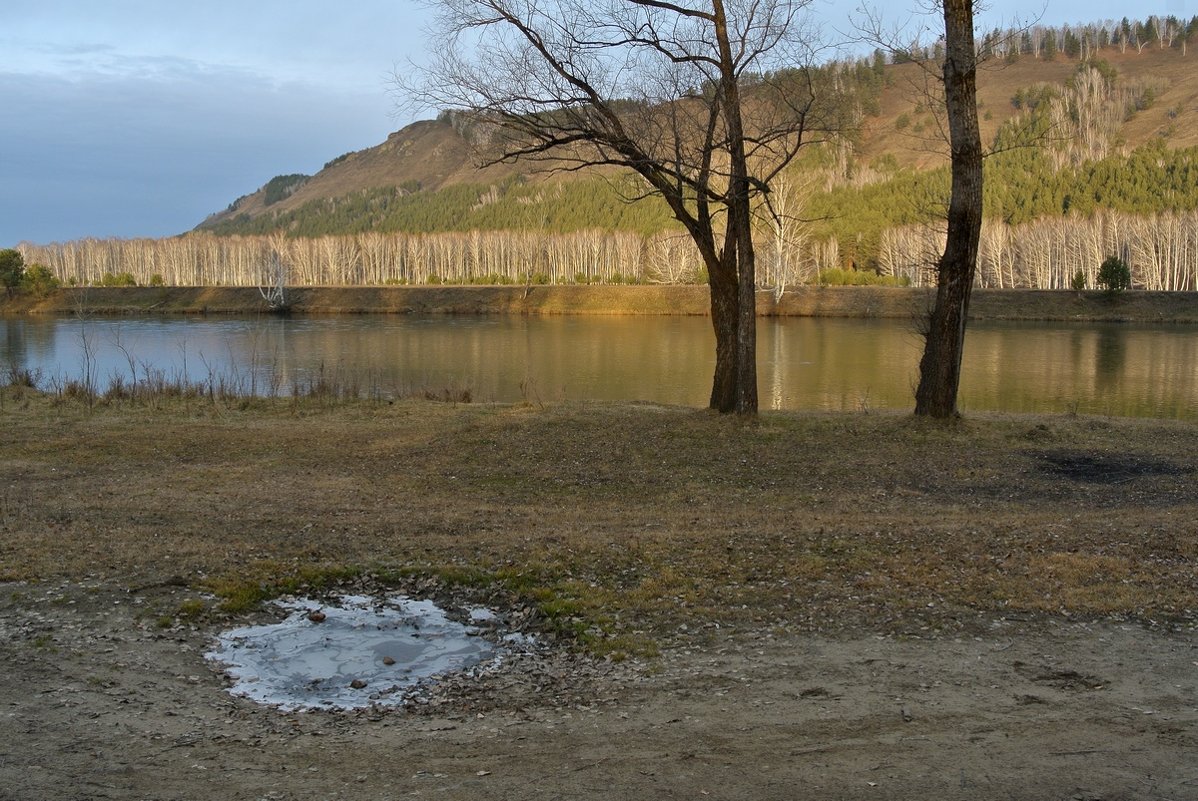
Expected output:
(423, 177)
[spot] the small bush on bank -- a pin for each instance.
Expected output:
(23, 377)
(494, 279)
(118, 279)
(838, 277)
(39, 281)
(1114, 275)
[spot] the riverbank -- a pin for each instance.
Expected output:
(857, 605)
(806, 301)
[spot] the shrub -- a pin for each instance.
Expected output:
(1079, 281)
(39, 280)
(491, 279)
(838, 277)
(118, 279)
(1114, 275)
(1146, 99)
(157, 280)
(23, 377)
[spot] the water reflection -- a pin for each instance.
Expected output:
(1109, 356)
(13, 347)
(821, 363)
(22, 346)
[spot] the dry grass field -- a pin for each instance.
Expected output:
(738, 608)
(628, 512)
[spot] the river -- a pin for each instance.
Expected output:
(803, 363)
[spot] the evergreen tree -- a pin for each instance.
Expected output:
(12, 268)
(1072, 45)
(1050, 44)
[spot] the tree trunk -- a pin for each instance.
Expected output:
(724, 306)
(739, 239)
(940, 367)
(746, 323)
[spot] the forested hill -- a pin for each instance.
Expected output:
(1112, 111)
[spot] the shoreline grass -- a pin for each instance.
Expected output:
(622, 524)
(153, 387)
(655, 299)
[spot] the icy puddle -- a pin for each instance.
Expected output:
(355, 652)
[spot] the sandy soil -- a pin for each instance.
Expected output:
(100, 703)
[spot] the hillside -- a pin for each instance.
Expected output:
(426, 155)
(999, 81)
(424, 177)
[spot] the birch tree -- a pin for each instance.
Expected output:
(944, 345)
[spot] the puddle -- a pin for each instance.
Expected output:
(354, 652)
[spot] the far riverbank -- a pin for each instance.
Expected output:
(806, 301)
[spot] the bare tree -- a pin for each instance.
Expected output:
(956, 121)
(940, 366)
(783, 213)
(274, 288)
(706, 100)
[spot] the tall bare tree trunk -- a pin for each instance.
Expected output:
(722, 282)
(740, 225)
(746, 320)
(940, 367)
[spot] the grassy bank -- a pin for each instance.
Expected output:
(621, 522)
(890, 302)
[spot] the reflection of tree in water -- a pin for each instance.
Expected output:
(1109, 356)
(14, 348)
(28, 344)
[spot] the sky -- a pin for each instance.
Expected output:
(139, 118)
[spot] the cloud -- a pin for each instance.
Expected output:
(151, 146)
(139, 118)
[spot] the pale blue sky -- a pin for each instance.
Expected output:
(140, 117)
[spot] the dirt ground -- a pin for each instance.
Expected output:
(99, 703)
(841, 606)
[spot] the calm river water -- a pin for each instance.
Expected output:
(830, 364)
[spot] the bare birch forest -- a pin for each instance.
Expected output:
(1162, 250)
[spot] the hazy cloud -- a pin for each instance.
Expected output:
(116, 155)
(139, 118)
